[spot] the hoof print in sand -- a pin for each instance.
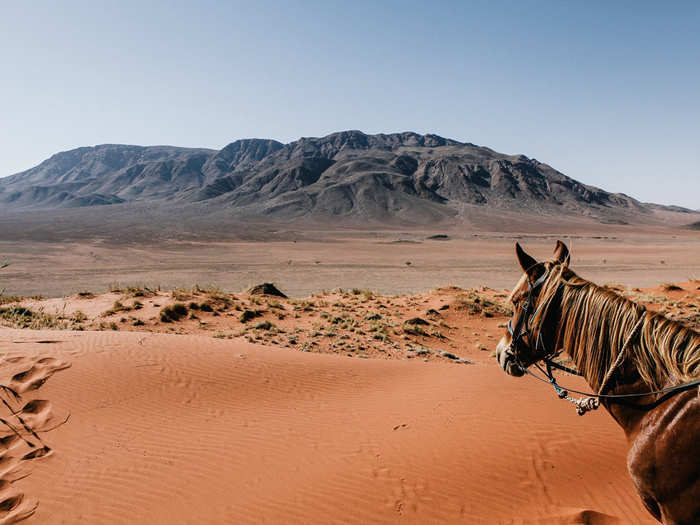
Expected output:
(20, 443)
(36, 375)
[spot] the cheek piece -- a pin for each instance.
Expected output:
(522, 327)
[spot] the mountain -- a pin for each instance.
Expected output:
(398, 176)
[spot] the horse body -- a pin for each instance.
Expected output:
(620, 349)
(663, 456)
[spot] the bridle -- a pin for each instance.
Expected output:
(589, 401)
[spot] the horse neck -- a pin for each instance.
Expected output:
(626, 380)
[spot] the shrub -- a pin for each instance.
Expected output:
(174, 312)
(414, 329)
(247, 315)
(265, 325)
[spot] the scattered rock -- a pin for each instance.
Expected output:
(418, 321)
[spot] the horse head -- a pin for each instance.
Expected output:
(520, 346)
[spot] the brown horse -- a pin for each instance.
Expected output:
(643, 368)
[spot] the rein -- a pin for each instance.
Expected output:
(589, 401)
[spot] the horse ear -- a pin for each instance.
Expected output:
(561, 253)
(526, 262)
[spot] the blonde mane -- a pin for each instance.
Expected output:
(594, 323)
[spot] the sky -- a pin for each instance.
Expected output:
(606, 92)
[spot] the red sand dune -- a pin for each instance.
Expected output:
(189, 429)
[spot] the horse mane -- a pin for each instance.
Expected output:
(595, 322)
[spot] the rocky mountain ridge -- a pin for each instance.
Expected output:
(420, 178)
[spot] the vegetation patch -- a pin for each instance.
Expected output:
(414, 329)
(267, 326)
(8, 299)
(475, 303)
(22, 317)
(174, 312)
(247, 315)
(206, 307)
(117, 307)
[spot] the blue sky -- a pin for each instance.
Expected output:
(606, 92)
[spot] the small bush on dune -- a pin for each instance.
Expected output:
(7, 299)
(414, 329)
(22, 317)
(174, 312)
(116, 307)
(265, 325)
(180, 294)
(247, 315)
(79, 316)
(275, 304)
(206, 307)
(475, 303)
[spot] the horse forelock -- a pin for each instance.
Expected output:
(520, 284)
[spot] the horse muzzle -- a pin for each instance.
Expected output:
(506, 358)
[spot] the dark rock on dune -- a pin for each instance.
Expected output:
(398, 177)
(266, 289)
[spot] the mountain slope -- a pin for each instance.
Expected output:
(404, 176)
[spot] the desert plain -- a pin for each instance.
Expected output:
(152, 387)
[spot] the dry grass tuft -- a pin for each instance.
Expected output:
(475, 303)
(22, 317)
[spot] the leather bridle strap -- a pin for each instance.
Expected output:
(518, 332)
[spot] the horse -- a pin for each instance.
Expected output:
(643, 368)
